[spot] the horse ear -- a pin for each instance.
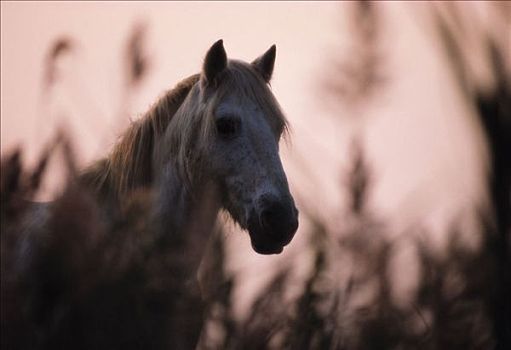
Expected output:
(214, 63)
(264, 64)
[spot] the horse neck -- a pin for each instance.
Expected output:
(185, 214)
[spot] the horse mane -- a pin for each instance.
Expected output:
(129, 164)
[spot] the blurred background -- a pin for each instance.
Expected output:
(398, 155)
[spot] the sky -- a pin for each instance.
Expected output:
(423, 142)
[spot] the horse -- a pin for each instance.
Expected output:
(215, 132)
(209, 144)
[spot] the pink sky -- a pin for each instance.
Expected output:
(424, 142)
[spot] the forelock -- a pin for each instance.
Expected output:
(242, 79)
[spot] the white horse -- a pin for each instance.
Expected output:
(216, 130)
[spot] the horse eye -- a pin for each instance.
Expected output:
(228, 127)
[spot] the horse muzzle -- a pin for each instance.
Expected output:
(272, 225)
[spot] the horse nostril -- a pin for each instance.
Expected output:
(274, 216)
(268, 218)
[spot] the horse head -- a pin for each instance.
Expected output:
(227, 132)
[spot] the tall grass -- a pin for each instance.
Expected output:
(94, 279)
